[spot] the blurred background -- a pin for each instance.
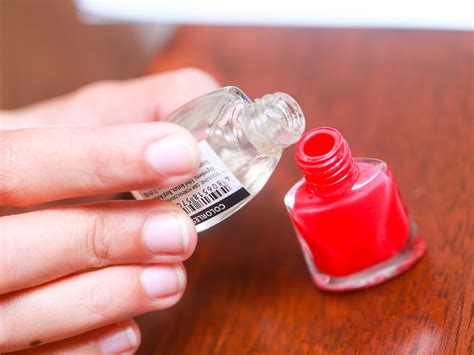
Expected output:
(48, 47)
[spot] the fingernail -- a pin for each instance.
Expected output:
(118, 342)
(163, 281)
(172, 155)
(166, 233)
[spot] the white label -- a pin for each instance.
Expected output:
(213, 190)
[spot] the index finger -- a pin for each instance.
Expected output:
(147, 99)
(40, 165)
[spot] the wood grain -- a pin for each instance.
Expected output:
(402, 96)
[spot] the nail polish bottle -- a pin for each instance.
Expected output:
(349, 217)
(241, 142)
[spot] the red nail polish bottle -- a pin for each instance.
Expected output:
(353, 227)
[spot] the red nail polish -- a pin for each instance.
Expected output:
(353, 227)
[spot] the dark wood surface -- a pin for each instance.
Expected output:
(402, 96)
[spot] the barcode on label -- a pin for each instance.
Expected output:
(206, 196)
(213, 191)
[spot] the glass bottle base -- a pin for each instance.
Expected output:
(406, 257)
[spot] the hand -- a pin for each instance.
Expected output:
(72, 276)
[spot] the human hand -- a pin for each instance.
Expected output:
(72, 276)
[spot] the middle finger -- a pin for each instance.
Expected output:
(44, 245)
(46, 164)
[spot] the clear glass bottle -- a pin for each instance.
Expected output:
(241, 142)
(349, 217)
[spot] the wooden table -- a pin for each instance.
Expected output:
(403, 96)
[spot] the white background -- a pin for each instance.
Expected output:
(434, 14)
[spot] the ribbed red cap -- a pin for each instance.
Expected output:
(325, 159)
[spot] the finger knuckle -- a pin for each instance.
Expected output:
(100, 158)
(93, 92)
(103, 306)
(89, 99)
(98, 240)
(11, 192)
(194, 74)
(100, 304)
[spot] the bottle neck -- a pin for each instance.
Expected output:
(272, 122)
(325, 159)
